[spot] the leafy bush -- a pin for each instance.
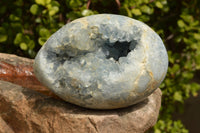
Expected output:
(26, 25)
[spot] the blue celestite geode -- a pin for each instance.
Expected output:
(102, 62)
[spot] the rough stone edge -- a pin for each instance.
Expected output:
(98, 119)
(11, 58)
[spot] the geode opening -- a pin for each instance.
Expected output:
(78, 62)
(117, 50)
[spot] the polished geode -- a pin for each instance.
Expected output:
(102, 62)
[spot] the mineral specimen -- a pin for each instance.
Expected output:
(102, 62)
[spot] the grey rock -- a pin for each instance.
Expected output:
(23, 110)
(102, 62)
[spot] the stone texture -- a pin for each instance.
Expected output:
(24, 110)
(102, 61)
(33, 108)
(19, 70)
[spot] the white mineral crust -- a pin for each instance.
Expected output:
(102, 62)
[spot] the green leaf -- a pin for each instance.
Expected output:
(3, 38)
(23, 46)
(34, 9)
(197, 36)
(195, 23)
(87, 12)
(178, 96)
(18, 38)
(159, 4)
(31, 44)
(187, 75)
(187, 18)
(55, 3)
(31, 53)
(53, 10)
(12, 17)
(145, 1)
(38, 20)
(128, 11)
(42, 40)
(188, 40)
(144, 18)
(73, 15)
(162, 85)
(165, 9)
(136, 12)
(42, 2)
(178, 39)
(26, 39)
(175, 68)
(75, 3)
(180, 23)
(146, 9)
(171, 58)
(3, 35)
(195, 87)
(44, 33)
(157, 131)
(44, 11)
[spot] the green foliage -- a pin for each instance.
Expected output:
(169, 127)
(26, 25)
(3, 35)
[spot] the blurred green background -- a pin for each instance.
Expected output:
(26, 24)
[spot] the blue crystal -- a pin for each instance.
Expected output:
(102, 62)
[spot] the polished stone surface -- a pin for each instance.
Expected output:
(102, 62)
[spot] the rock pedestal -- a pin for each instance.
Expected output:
(32, 108)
